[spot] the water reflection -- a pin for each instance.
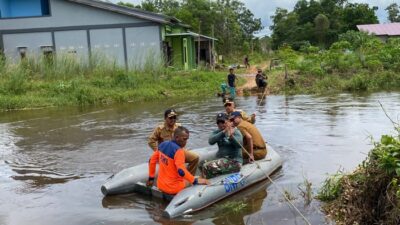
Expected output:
(153, 206)
(242, 208)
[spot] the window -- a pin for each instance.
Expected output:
(48, 53)
(24, 8)
(22, 52)
(47, 50)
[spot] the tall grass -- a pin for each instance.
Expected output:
(66, 80)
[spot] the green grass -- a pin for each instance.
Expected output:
(65, 81)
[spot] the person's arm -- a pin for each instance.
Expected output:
(250, 119)
(179, 159)
(249, 143)
(215, 137)
(152, 167)
(153, 138)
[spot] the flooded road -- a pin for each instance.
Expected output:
(53, 161)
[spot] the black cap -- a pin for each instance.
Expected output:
(221, 117)
(170, 113)
(228, 101)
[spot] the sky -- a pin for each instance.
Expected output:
(264, 9)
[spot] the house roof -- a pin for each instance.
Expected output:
(389, 29)
(191, 34)
(155, 17)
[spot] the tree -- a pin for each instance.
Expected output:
(318, 22)
(321, 28)
(228, 20)
(393, 12)
(126, 4)
(355, 14)
(284, 24)
(265, 44)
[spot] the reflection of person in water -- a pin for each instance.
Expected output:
(261, 99)
(249, 201)
(155, 213)
(252, 200)
(153, 206)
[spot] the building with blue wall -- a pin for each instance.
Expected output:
(84, 28)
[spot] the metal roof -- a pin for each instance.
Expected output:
(155, 17)
(191, 34)
(389, 29)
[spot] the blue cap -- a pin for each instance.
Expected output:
(235, 114)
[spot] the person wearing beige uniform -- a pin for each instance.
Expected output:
(253, 141)
(229, 105)
(165, 132)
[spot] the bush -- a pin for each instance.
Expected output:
(357, 83)
(355, 38)
(331, 188)
(17, 83)
(371, 194)
(374, 65)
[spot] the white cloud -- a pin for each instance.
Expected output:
(264, 9)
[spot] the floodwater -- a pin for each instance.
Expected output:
(53, 161)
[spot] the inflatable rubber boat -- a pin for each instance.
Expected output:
(195, 197)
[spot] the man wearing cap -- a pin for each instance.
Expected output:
(229, 140)
(165, 131)
(231, 80)
(172, 174)
(252, 138)
(229, 105)
(261, 79)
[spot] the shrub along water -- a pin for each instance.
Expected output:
(371, 194)
(366, 64)
(65, 80)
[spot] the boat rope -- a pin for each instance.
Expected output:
(276, 185)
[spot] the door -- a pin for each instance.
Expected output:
(185, 54)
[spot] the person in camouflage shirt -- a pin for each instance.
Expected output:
(229, 140)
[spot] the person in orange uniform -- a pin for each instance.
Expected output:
(164, 132)
(172, 174)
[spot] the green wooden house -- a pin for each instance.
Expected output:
(185, 49)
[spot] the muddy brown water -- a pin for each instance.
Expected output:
(54, 161)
